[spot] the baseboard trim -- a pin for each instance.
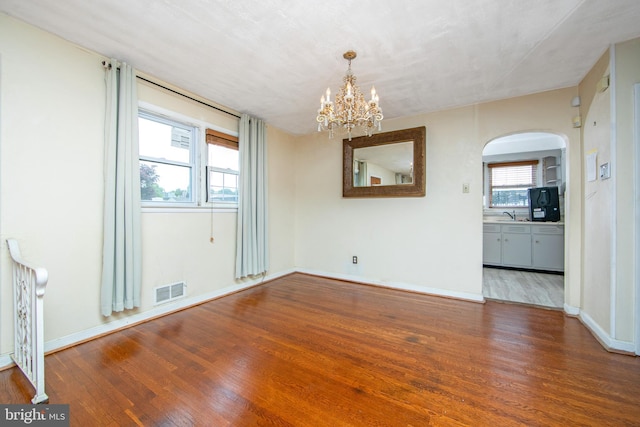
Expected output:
(397, 285)
(609, 343)
(571, 310)
(107, 328)
(6, 361)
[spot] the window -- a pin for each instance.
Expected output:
(222, 168)
(173, 171)
(167, 160)
(508, 183)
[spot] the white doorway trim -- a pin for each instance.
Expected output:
(636, 143)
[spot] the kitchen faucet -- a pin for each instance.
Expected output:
(512, 216)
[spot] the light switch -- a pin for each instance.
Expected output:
(465, 187)
(605, 171)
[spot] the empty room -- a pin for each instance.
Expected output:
(244, 213)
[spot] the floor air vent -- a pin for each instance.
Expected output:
(169, 292)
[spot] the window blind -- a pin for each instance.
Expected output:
(220, 138)
(508, 182)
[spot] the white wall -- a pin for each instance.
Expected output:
(609, 268)
(51, 190)
(51, 160)
(434, 243)
(406, 241)
(598, 214)
(627, 73)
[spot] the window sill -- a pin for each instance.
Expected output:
(189, 209)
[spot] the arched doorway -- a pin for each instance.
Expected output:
(523, 254)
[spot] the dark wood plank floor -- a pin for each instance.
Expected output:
(308, 351)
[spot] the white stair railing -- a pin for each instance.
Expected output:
(28, 303)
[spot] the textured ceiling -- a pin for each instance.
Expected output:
(274, 58)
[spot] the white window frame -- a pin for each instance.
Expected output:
(193, 155)
(218, 137)
(200, 158)
(220, 203)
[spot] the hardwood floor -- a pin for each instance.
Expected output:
(309, 351)
(526, 287)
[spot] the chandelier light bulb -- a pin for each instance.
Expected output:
(349, 109)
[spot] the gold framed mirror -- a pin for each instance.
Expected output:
(388, 164)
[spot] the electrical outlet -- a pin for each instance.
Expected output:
(355, 259)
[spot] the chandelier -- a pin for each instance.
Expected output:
(349, 110)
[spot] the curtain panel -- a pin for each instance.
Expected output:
(121, 264)
(252, 257)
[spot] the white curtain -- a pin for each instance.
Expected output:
(252, 256)
(121, 263)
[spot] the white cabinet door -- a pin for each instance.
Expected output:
(516, 245)
(548, 248)
(492, 248)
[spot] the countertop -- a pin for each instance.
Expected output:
(527, 222)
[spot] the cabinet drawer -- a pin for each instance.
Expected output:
(524, 229)
(547, 229)
(491, 228)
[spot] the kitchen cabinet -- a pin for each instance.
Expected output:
(516, 245)
(536, 246)
(548, 247)
(491, 244)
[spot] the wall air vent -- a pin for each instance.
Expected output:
(169, 292)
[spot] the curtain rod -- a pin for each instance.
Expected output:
(189, 97)
(106, 65)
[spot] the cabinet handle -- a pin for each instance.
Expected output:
(537, 241)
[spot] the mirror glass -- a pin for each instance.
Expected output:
(389, 164)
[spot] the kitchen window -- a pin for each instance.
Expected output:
(509, 181)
